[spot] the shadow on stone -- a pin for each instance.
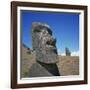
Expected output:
(51, 68)
(40, 69)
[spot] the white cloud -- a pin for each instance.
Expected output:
(75, 53)
(58, 52)
(62, 54)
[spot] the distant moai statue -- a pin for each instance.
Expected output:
(68, 53)
(46, 52)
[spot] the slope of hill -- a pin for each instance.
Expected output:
(27, 59)
(67, 65)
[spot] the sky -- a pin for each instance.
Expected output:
(65, 28)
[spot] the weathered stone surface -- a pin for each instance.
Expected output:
(46, 52)
(43, 43)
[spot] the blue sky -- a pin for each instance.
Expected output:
(65, 27)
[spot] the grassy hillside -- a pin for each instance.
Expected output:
(67, 65)
(27, 59)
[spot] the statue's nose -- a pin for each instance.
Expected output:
(52, 41)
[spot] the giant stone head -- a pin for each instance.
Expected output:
(43, 43)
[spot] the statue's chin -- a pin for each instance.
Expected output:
(50, 46)
(51, 49)
(50, 56)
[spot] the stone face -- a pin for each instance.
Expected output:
(43, 43)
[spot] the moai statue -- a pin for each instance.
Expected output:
(68, 53)
(46, 52)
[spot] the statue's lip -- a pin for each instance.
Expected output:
(51, 46)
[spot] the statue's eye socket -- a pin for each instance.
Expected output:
(37, 30)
